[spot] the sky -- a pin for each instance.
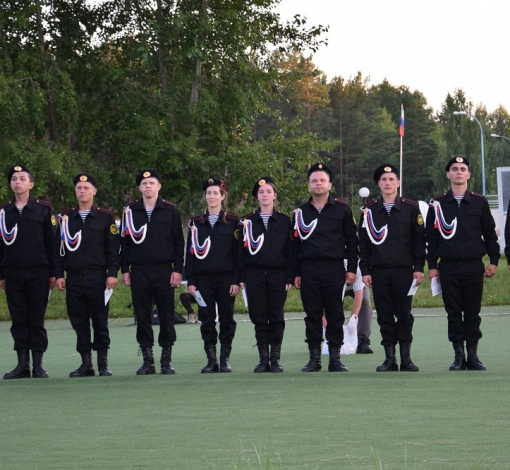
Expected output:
(433, 46)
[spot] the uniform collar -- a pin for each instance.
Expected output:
(30, 204)
(451, 197)
(274, 215)
(76, 211)
(398, 203)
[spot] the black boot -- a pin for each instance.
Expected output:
(37, 371)
(147, 366)
(364, 347)
(224, 358)
(276, 365)
(335, 365)
(86, 369)
(263, 365)
(212, 361)
(473, 363)
(406, 364)
(102, 363)
(314, 364)
(22, 370)
(459, 363)
(389, 364)
(166, 358)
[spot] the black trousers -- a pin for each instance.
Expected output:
(27, 298)
(390, 287)
(148, 284)
(85, 303)
(321, 293)
(265, 289)
(462, 286)
(215, 289)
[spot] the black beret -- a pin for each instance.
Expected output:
(321, 167)
(15, 169)
(84, 178)
(458, 159)
(386, 168)
(261, 182)
(214, 182)
(149, 173)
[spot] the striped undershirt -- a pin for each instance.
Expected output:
(265, 218)
(213, 218)
(388, 206)
(149, 213)
(83, 214)
(458, 198)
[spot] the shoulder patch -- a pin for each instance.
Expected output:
(439, 196)
(341, 201)
(5, 204)
(371, 203)
(409, 201)
(104, 211)
(195, 217)
(169, 203)
(249, 214)
(43, 203)
(66, 211)
(478, 195)
(231, 217)
(130, 203)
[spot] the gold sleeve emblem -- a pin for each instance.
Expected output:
(113, 229)
(420, 219)
(53, 220)
(236, 234)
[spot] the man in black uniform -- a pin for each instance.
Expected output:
(460, 231)
(151, 263)
(27, 228)
(267, 272)
(87, 250)
(325, 234)
(392, 256)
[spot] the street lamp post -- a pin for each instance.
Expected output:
(463, 113)
(500, 136)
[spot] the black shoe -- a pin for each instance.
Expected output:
(86, 369)
(263, 365)
(22, 370)
(212, 361)
(102, 363)
(459, 362)
(314, 364)
(406, 364)
(335, 365)
(276, 365)
(166, 361)
(225, 358)
(147, 367)
(389, 364)
(472, 362)
(364, 348)
(37, 371)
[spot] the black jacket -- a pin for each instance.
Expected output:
(98, 253)
(334, 237)
(404, 245)
(33, 246)
(223, 256)
(475, 233)
(276, 250)
(164, 241)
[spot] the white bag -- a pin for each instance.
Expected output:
(350, 338)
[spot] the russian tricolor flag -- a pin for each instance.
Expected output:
(401, 129)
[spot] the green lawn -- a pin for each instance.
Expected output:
(433, 419)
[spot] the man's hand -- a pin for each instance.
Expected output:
(350, 278)
(367, 280)
(175, 279)
(111, 282)
(419, 277)
(126, 279)
(60, 283)
(297, 282)
(234, 290)
(434, 273)
(51, 283)
(491, 270)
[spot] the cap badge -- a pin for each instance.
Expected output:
(459, 159)
(387, 169)
(211, 181)
(17, 168)
(320, 165)
(262, 182)
(146, 174)
(83, 178)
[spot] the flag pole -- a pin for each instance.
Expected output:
(401, 132)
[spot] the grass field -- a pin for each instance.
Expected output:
(433, 419)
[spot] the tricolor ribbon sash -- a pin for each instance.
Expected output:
(197, 249)
(253, 245)
(66, 240)
(8, 237)
(300, 227)
(128, 228)
(376, 236)
(446, 230)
